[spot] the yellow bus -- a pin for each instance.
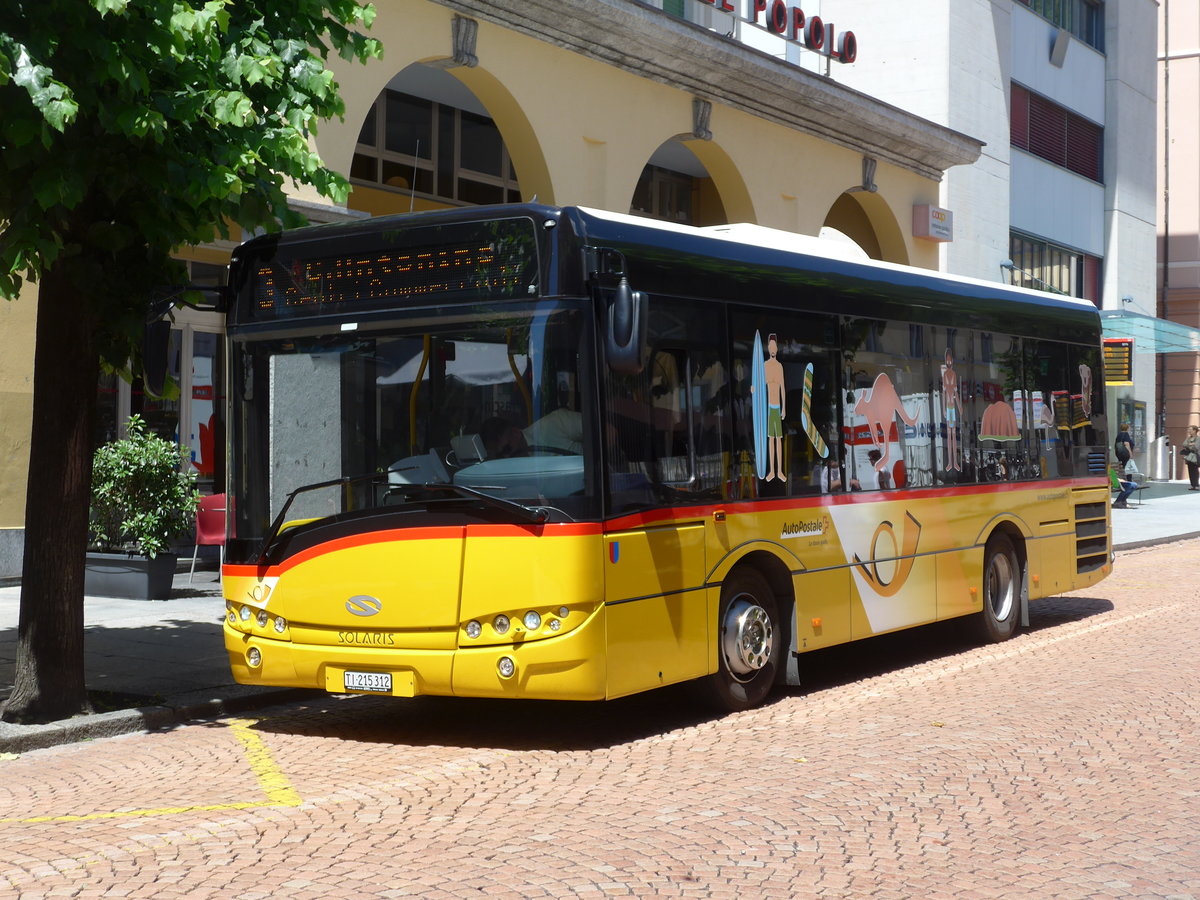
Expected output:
(536, 452)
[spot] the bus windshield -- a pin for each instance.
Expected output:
(355, 422)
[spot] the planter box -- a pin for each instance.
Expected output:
(134, 577)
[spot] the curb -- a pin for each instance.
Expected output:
(1154, 542)
(23, 738)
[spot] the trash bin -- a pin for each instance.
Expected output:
(1158, 459)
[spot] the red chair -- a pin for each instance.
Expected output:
(210, 527)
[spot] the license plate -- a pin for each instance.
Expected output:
(371, 682)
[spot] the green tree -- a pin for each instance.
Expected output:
(127, 129)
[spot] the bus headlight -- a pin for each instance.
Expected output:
(263, 618)
(532, 620)
(474, 629)
(246, 613)
(253, 657)
(500, 624)
(280, 624)
(506, 667)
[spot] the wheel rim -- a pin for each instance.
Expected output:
(1001, 586)
(746, 637)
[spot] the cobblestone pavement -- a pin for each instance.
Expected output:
(1063, 764)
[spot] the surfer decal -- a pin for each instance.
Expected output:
(768, 401)
(951, 411)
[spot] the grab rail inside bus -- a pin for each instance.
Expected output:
(412, 397)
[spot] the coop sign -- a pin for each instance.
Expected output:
(790, 23)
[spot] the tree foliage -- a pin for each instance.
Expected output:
(129, 128)
(132, 127)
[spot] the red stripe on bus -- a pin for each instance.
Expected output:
(441, 532)
(743, 507)
(653, 517)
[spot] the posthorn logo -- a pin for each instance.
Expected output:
(363, 605)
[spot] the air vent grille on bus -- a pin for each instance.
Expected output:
(1091, 536)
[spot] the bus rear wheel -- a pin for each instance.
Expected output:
(749, 641)
(997, 621)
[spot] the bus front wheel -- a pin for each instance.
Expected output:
(749, 641)
(997, 620)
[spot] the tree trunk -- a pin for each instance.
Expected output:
(49, 682)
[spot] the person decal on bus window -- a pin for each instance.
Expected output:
(776, 409)
(950, 404)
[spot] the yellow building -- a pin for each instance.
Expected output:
(696, 113)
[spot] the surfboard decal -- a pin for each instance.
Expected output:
(758, 404)
(806, 421)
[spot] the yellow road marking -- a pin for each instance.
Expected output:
(270, 777)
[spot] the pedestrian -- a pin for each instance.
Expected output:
(1191, 456)
(1123, 447)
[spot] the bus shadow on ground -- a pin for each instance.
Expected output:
(868, 658)
(519, 725)
(525, 725)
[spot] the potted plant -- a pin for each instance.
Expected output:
(142, 500)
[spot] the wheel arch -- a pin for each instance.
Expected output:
(1017, 537)
(774, 561)
(770, 564)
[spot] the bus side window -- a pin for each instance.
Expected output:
(667, 424)
(784, 404)
(886, 405)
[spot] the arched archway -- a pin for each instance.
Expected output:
(692, 182)
(435, 137)
(865, 218)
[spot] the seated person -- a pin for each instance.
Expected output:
(831, 478)
(1126, 486)
(561, 429)
(502, 439)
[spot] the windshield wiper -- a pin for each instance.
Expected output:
(280, 519)
(534, 514)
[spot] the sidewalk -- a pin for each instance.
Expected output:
(171, 653)
(167, 656)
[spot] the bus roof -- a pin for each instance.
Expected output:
(763, 265)
(816, 248)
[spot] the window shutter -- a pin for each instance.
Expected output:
(1019, 118)
(1056, 134)
(1084, 145)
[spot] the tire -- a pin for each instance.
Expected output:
(749, 643)
(997, 621)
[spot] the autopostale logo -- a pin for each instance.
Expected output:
(896, 553)
(363, 605)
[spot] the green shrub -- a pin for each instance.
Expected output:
(142, 499)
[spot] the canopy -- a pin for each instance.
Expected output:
(1150, 335)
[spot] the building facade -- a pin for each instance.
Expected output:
(1179, 210)
(863, 120)
(1063, 95)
